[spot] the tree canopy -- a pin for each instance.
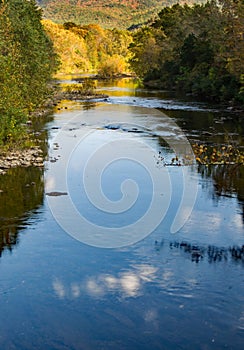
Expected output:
(90, 48)
(27, 62)
(196, 49)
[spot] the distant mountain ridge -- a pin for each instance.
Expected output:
(108, 14)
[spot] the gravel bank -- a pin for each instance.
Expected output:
(24, 158)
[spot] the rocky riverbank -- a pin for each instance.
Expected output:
(21, 158)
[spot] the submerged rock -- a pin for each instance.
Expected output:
(56, 194)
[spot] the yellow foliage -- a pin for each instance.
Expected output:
(223, 155)
(70, 47)
(90, 48)
(112, 67)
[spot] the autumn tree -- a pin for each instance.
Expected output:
(90, 48)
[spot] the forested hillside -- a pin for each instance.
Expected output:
(27, 62)
(109, 14)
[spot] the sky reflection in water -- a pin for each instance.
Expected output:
(182, 291)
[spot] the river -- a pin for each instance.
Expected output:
(123, 241)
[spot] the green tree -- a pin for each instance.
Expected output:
(200, 49)
(27, 61)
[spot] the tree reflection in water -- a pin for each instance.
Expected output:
(21, 192)
(228, 181)
(213, 254)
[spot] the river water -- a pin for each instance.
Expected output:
(116, 246)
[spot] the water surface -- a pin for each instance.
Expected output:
(166, 291)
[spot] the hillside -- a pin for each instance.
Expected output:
(110, 13)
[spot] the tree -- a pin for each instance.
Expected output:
(27, 61)
(70, 47)
(198, 49)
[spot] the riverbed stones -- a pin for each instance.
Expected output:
(21, 158)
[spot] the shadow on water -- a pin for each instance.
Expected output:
(21, 193)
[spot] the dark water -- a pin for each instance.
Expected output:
(159, 291)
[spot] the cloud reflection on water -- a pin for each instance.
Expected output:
(171, 280)
(127, 284)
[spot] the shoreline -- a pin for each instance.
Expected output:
(33, 156)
